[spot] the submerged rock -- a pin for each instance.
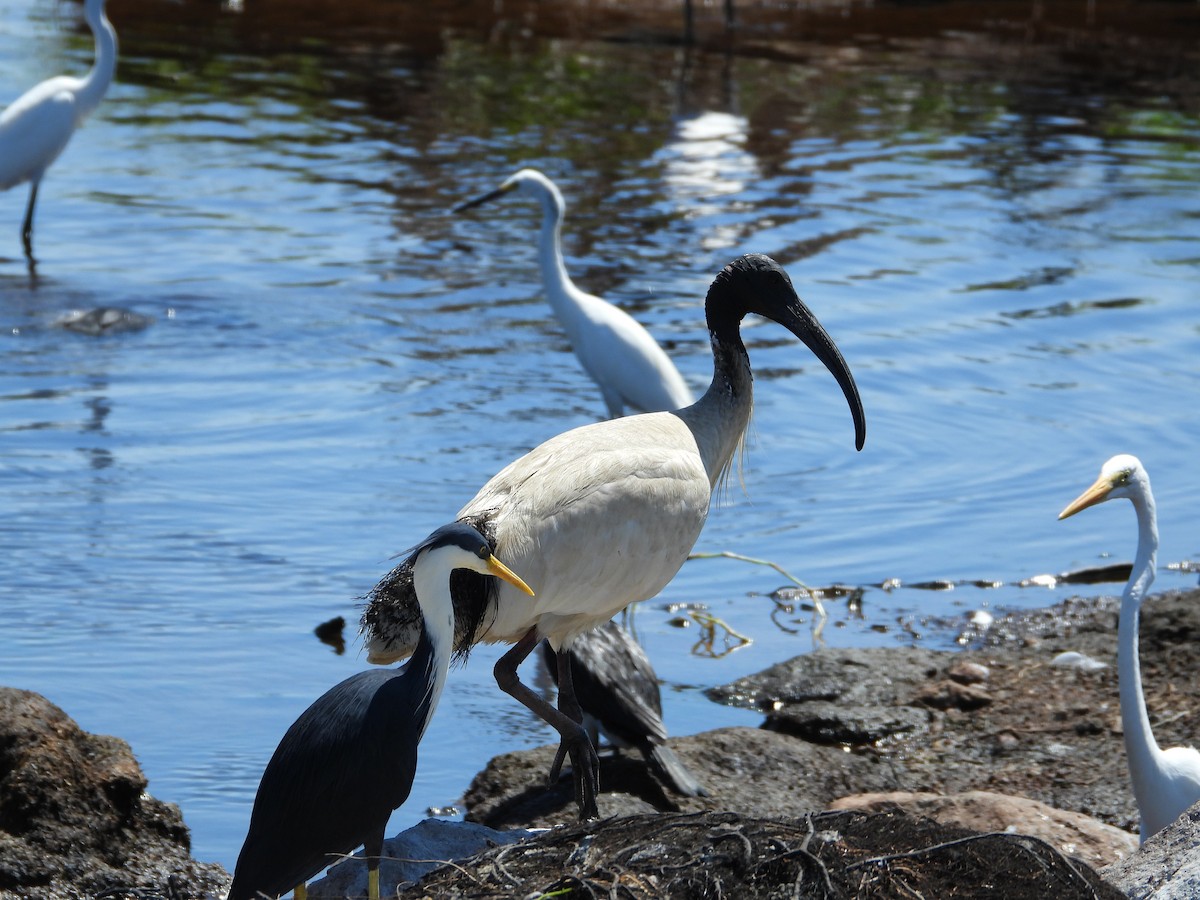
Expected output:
(75, 821)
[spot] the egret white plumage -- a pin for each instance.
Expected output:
(36, 127)
(1165, 782)
(349, 760)
(617, 690)
(604, 515)
(613, 348)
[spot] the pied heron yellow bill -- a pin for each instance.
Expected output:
(631, 369)
(604, 515)
(1165, 782)
(349, 760)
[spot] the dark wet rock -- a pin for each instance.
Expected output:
(103, 320)
(982, 811)
(742, 768)
(950, 694)
(728, 854)
(965, 672)
(333, 633)
(852, 697)
(1117, 572)
(827, 722)
(75, 820)
(1168, 866)
(872, 676)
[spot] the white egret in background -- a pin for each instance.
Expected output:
(1165, 782)
(618, 353)
(349, 760)
(36, 127)
(604, 515)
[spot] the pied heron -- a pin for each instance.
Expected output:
(1165, 782)
(604, 515)
(613, 348)
(617, 690)
(349, 760)
(36, 127)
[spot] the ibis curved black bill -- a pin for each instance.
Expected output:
(800, 321)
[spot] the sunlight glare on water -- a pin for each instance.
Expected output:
(1005, 254)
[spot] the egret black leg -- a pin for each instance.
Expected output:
(573, 737)
(27, 227)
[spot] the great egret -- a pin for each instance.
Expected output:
(617, 352)
(604, 515)
(36, 127)
(1165, 782)
(617, 690)
(349, 760)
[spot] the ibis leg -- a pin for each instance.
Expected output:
(568, 705)
(574, 739)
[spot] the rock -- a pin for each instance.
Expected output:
(1080, 661)
(410, 855)
(1168, 866)
(103, 320)
(967, 672)
(949, 694)
(75, 820)
(853, 697)
(871, 676)
(827, 722)
(1073, 833)
(742, 768)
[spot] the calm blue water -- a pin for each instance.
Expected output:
(1006, 254)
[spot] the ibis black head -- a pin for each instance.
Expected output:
(755, 283)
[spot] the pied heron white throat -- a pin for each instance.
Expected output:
(604, 515)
